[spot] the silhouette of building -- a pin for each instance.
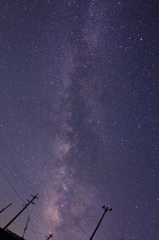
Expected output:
(8, 235)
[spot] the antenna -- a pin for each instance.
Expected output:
(26, 226)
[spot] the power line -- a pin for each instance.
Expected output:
(11, 159)
(11, 185)
(18, 196)
(8, 154)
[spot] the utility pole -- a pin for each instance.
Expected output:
(29, 202)
(5, 208)
(26, 227)
(106, 209)
(50, 236)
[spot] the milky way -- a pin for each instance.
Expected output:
(72, 199)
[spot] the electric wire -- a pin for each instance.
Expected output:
(8, 154)
(10, 184)
(11, 159)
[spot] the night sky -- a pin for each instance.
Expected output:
(79, 117)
